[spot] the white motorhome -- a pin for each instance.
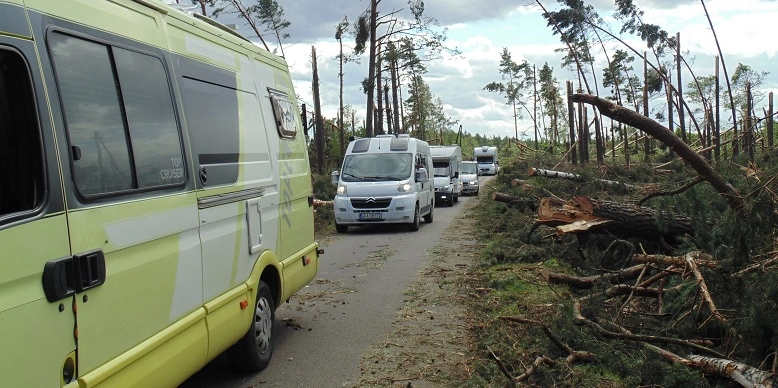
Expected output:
(469, 177)
(446, 164)
(384, 180)
(486, 156)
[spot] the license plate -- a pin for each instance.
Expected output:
(370, 216)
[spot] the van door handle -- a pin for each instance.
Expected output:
(67, 276)
(90, 269)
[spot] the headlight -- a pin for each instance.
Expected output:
(446, 188)
(341, 189)
(474, 183)
(404, 187)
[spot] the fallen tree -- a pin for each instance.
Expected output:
(584, 214)
(566, 175)
(666, 136)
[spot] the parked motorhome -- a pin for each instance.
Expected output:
(384, 180)
(486, 156)
(446, 166)
(469, 178)
(156, 200)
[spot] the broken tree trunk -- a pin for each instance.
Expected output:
(666, 136)
(584, 214)
(743, 374)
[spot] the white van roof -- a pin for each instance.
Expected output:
(388, 143)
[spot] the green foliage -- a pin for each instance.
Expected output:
(510, 262)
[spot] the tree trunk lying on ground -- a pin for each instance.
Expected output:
(574, 177)
(521, 203)
(584, 214)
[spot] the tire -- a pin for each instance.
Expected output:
(414, 226)
(451, 202)
(456, 198)
(341, 228)
(428, 217)
(253, 352)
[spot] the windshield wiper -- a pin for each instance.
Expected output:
(353, 176)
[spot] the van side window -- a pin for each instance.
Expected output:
(286, 122)
(213, 120)
(21, 161)
(119, 115)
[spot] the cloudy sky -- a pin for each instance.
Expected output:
(481, 29)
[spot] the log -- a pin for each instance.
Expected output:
(702, 260)
(618, 219)
(320, 203)
(570, 176)
(519, 202)
(743, 374)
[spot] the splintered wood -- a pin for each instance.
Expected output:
(584, 214)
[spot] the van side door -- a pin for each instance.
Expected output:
(132, 213)
(36, 293)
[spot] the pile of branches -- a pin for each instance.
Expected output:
(630, 303)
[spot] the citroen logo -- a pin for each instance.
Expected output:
(370, 200)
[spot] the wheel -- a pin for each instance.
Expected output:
(252, 353)
(428, 217)
(341, 228)
(450, 201)
(414, 226)
(456, 198)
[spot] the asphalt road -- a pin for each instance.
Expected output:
(321, 333)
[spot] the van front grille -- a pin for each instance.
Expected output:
(371, 203)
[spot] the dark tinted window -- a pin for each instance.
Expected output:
(21, 161)
(212, 119)
(153, 131)
(119, 117)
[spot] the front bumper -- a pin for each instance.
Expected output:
(466, 189)
(384, 210)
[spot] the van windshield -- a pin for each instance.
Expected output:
(377, 167)
(440, 168)
(469, 168)
(485, 160)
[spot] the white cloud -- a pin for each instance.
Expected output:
(481, 30)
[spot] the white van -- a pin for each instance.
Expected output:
(155, 194)
(486, 156)
(469, 178)
(384, 180)
(447, 163)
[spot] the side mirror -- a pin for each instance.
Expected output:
(422, 175)
(335, 177)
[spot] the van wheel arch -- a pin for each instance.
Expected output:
(253, 352)
(414, 225)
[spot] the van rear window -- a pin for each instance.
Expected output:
(119, 116)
